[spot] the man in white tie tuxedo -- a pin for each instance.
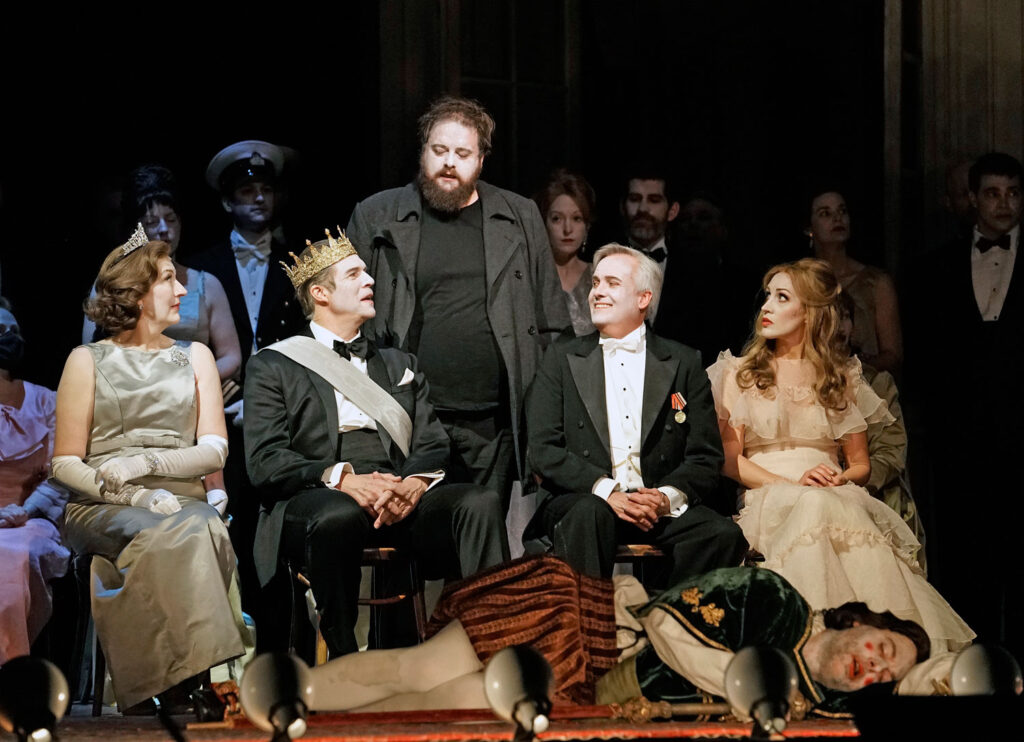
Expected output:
(624, 436)
(247, 175)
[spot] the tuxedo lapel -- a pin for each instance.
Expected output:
(276, 289)
(966, 272)
(377, 370)
(326, 394)
(227, 272)
(587, 371)
(659, 375)
(1011, 305)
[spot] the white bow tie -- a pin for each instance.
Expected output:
(628, 345)
(245, 252)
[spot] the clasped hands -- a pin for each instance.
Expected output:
(822, 475)
(386, 497)
(641, 507)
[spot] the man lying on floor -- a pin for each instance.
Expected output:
(607, 642)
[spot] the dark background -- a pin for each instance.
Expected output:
(754, 101)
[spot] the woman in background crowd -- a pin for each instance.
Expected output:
(30, 507)
(140, 419)
(877, 338)
(567, 203)
(151, 198)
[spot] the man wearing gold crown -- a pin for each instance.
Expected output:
(346, 452)
(467, 283)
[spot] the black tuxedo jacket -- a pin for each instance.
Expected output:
(978, 362)
(567, 419)
(291, 432)
(280, 314)
(954, 265)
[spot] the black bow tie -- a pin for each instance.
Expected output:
(984, 244)
(658, 254)
(356, 348)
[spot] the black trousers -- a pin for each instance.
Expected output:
(455, 531)
(585, 532)
(483, 450)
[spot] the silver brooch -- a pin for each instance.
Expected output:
(179, 357)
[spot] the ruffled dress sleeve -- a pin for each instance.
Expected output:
(730, 400)
(790, 411)
(864, 406)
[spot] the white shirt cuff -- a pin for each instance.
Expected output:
(604, 487)
(335, 477)
(678, 502)
(434, 476)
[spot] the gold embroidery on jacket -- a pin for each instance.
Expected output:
(711, 613)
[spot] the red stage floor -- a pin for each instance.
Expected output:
(395, 728)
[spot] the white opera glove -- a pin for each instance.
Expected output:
(218, 500)
(238, 410)
(156, 501)
(208, 455)
(75, 474)
(114, 473)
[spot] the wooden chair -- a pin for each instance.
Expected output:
(638, 555)
(376, 558)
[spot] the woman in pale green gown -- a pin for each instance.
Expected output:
(139, 422)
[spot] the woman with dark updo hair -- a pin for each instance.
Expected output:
(151, 198)
(140, 421)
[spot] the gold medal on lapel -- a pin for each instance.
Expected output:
(678, 403)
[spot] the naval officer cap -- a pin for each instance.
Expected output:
(249, 160)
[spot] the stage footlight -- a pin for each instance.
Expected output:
(986, 670)
(277, 691)
(760, 682)
(517, 683)
(33, 698)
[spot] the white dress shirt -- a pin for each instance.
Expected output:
(252, 274)
(625, 363)
(351, 417)
(991, 272)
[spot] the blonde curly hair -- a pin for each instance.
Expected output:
(818, 290)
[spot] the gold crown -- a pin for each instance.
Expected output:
(137, 240)
(318, 256)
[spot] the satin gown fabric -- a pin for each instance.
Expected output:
(165, 596)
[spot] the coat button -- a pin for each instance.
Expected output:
(586, 453)
(668, 428)
(579, 423)
(282, 322)
(286, 302)
(532, 330)
(662, 457)
(519, 274)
